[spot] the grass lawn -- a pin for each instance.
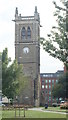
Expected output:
(0, 114)
(55, 109)
(31, 114)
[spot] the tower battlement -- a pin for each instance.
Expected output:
(19, 17)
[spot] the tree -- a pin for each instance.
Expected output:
(56, 43)
(60, 90)
(12, 82)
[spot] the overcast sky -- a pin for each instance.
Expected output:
(27, 7)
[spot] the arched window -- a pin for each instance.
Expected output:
(23, 33)
(28, 32)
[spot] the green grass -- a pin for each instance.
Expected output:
(55, 109)
(0, 114)
(31, 114)
(38, 114)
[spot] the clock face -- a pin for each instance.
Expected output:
(26, 50)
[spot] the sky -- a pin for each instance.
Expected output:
(45, 8)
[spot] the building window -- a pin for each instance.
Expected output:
(42, 91)
(46, 91)
(49, 81)
(46, 81)
(46, 86)
(23, 33)
(49, 92)
(52, 81)
(28, 32)
(56, 81)
(42, 81)
(49, 86)
(44, 75)
(42, 86)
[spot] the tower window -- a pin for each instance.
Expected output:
(28, 32)
(23, 33)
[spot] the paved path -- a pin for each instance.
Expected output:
(40, 109)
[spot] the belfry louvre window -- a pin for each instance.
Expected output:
(23, 33)
(28, 32)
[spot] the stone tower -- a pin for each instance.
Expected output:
(27, 53)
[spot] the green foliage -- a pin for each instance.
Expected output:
(56, 43)
(60, 90)
(23, 82)
(12, 75)
(5, 56)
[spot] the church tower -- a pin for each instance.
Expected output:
(27, 53)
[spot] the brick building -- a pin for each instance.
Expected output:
(48, 80)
